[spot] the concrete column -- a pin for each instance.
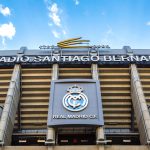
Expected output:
(100, 130)
(10, 108)
(55, 71)
(100, 134)
(140, 106)
(94, 69)
(51, 131)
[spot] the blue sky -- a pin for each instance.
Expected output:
(33, 23)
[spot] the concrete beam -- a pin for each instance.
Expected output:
(10, 108)
(100, 130)
(78, 147)
(50, 139)
(140, 106)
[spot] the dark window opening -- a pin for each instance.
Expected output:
(28, 140)
(76, 136)
(77, 139)
(122, 140)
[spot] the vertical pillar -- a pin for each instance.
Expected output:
(100, 130)
(55, 71)
(10, 108)
(50, 140)
(140, 106)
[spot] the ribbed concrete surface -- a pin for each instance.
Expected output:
(118, 147)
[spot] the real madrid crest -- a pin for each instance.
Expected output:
(75, 99)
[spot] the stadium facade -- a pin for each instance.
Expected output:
(75, 98)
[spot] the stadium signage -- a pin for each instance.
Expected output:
(100, 58)
(82, 116)
(72, 102)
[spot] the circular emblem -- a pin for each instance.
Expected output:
(75, 99)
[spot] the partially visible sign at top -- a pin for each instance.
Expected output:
(50, 58)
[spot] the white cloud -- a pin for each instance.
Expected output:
(54, 14)
(4, 10)
(3, 42)
(50, 24)
(7, 31)
(148, 23)
(56, 34)
(64, 32)
(76, 2)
